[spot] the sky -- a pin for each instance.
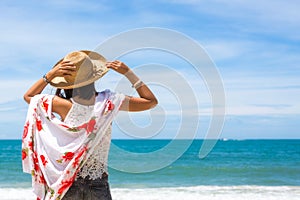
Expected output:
(254, 45)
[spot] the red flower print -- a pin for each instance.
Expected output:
(30, 144)
(89, 127)
(24, 154)
(44, 161)
(110, 105)
(68, 156)
(25, 131)
(39, 125)
(83, 126)
(76, 161)
(46, 104)
(35, 162)
(65, 185)
(42, 179)
(63, 125)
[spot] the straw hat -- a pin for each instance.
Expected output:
(90, 66)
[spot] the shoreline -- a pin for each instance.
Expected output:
(187, 193)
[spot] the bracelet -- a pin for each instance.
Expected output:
(45, 79)
(137, 84)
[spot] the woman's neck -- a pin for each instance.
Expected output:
(86, 102)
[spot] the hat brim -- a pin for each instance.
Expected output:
(98, 61)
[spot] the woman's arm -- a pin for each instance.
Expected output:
(146, 99)
(64, 68)
(35, 89)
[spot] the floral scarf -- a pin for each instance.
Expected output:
(53, 152)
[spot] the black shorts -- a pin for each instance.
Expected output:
(86, 189)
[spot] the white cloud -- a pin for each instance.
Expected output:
(246, 94)
(269, 10)
(226, 49)
(251, 17)
(12, 90)
(260, 94)
(252, 42)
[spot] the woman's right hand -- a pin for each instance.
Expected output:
(65, 68)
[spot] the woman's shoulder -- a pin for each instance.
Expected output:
(61, 102)
(61, 106)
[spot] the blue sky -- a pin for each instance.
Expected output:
(254, 45)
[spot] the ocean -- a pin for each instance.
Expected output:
(234, 169)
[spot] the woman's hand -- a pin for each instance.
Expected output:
(65, 68)
(118, 66)
(146, 99)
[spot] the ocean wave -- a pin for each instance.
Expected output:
(186, 193)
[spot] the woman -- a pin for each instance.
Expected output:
(67, 155)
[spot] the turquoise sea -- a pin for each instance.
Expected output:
(234, 169)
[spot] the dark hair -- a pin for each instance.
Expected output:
(84, 92)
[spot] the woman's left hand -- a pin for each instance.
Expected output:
(118, 66)
(146, 99)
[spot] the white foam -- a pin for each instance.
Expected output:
(185, 193)
(210, 193)
(16, 194)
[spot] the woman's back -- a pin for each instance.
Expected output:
(96, 165)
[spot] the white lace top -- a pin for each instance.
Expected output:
(96, 164)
